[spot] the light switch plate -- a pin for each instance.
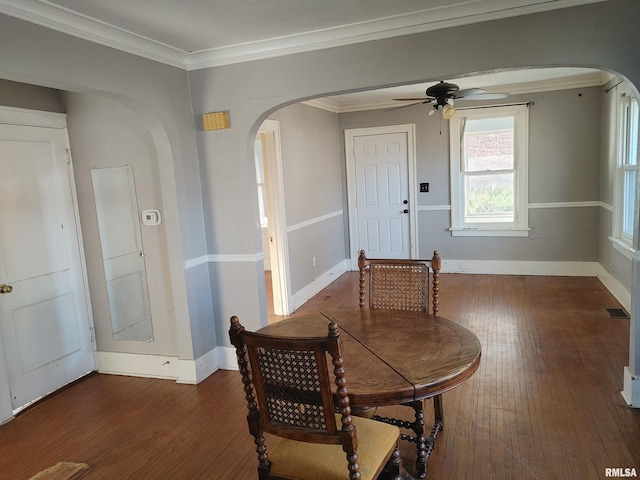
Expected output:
(151, 217)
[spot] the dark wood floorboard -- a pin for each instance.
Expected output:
(544, 404)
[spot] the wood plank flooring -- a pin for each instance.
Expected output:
(545, 403)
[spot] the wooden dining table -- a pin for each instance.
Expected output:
(394, 357)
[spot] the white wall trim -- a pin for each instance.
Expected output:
(301, 296)
(32, 118)
(517, 267)
(606, 206)
(566, 204)
(66, 21)
(434, 208)
(159, 366)
(279, 244)
(224, 258)
(227, 358)
(195, 371)
(323, 104)
(137, 365)
(313, 221)
(631, 392)
(623, 248)
(616, 288)
(236, 257)
(196, 262)
(531, 206)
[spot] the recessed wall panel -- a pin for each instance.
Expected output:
(373, 235)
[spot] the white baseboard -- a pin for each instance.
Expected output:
(227, 358)
(159, 366)
(324, 280)
(615, 287)
(505, 267)
(631, 392)
(137, 365)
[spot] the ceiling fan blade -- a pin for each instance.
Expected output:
(424, 99)
(405, 106)
(485, 96)
(468, 92)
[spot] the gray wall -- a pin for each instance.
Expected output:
(597, 35)
(214, 192)
(564, 166)
(159, 95)
(105, 133)
(313, 188)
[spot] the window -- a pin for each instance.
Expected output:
(262, 189)
(627, 168)
(489, 171)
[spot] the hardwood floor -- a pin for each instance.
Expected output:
(544, 404)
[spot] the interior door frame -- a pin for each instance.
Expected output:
(349, 144)
(278, 245)
(37, 118)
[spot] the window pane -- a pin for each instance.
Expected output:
(257, 155)
(488, 144)
(489, 198)
(264, 220)
(629, 200)
(633, 132)
(262, 192)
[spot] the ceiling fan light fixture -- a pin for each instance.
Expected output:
(448, 111)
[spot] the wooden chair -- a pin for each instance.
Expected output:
(403, 285)
(399, 284)
(288, 390)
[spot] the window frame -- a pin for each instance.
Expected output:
(624, 129)
(520, 226)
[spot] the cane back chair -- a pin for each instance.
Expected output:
(288, 390)
(404, 285)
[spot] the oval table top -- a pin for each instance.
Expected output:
(393, 356)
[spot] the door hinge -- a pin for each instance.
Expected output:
(92, 335)
(68, 152)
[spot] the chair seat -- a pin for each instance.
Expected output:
(295, 460)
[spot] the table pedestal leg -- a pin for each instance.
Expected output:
(424, 445)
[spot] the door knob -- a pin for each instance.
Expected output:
(405, 211)
(6, 288)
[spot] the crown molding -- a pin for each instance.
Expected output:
(71, 23)
(66, 21)
(595, 79)
(377, 29)
(323, 104)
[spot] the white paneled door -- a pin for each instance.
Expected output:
(44, 320)
(382, 194)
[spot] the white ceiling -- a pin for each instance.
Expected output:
(512, 82)
(193, 34)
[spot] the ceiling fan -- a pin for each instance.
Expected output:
(443, 94)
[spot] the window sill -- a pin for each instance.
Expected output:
(489, 232)
(623, 247)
